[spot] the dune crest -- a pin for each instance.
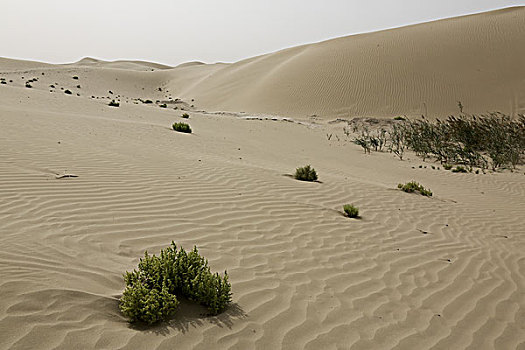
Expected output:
(414, 70)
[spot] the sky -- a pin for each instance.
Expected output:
(173, 32)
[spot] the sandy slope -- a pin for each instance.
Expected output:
(421, 69)
(413, 273)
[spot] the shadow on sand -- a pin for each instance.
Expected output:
(191, 315)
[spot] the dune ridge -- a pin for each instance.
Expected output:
(419, 69)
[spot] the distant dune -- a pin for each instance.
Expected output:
(422, 69)
(121, 64)
(414, 70)
(13, 64)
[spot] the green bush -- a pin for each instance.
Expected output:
(182, 127)
(447, 166)
(459, 169)
(148, 305)
(413, 186)
(185, 115)
(351, 211)
(150, 294)
(306, 173)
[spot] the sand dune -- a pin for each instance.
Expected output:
(122, 64)
(420, 69)
(413, 273)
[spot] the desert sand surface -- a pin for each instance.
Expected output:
(86, 188)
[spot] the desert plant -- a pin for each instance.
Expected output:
(399, 118)
(163, 105)
(181, 127)
(148, 305)
(459, 169)
(112, 103)
(398, 140)
(306, 173)
(364, 142)
(351, 211)
(185, 115)
(67, 92)
(28, 85)
(447, 166)
(150, 294)
(413, 186)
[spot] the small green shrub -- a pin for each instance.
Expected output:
(413, 186)
(163, 105)
(306, 173)
(182, 127)
(149, 305)
(150, 294)
(351, 210)
(185, 115)
(399, 118)
(459, 169)
(447, 166)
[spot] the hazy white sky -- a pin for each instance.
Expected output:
(177, 31)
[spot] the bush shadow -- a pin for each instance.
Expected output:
(192, 315)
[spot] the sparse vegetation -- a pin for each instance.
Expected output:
(447, 166)
(306, 173)
(459, 169)
(493, 140)
(67, 92)
(181, 127)
(185, 115)
(351, 211)
(371, 140)
(152, 289)
(412, 186)
(113, 103)
(163, 105)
